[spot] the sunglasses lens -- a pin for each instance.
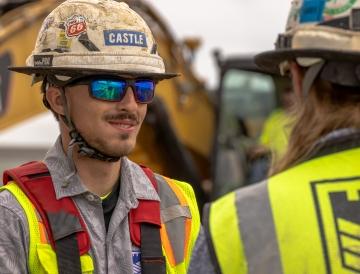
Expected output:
(144, 90)
(109, 90)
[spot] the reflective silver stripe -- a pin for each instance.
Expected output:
(258, 230)
(175, 211)
(175, 226)
(167, 196)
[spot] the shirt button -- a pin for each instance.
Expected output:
(65, 184)
(90, 197)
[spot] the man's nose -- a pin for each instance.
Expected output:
(128, 102)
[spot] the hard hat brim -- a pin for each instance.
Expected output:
(270, 60)
(76, 72)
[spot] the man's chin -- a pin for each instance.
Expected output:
(120, 150)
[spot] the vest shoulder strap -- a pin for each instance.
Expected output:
(146, 218)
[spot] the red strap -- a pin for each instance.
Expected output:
(35, 181)
(148, 211)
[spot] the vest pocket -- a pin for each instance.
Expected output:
(48, 262)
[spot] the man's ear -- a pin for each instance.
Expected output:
(55, 100)
(297, 77)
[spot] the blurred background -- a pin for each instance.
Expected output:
(204, 127)
(233, 26)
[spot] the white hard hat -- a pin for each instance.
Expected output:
(85, 37)
(317, 30)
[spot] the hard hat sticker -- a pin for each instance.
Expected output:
(75, 25)
(336, 7)
(63, 42)
(125, 38)
(47, 23)
(312, 11)
(43, 60)
(338, 207)
(136, 258)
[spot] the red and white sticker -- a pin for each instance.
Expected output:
(75, 25)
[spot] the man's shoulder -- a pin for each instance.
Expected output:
(174, 184)
(10, 205)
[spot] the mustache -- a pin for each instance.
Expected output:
(122, 116)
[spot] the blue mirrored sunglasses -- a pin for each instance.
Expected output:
(114, 89)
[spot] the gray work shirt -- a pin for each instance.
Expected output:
(111, 251)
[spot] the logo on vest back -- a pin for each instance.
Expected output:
(338, 210)
(136, 259)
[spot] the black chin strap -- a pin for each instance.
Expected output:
(84, 148)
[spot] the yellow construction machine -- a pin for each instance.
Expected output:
(177, 136)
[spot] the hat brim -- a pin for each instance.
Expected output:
(76, 72)
(270, 60)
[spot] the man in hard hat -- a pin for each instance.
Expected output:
(275, 133)
(305, 218)
(87, 208)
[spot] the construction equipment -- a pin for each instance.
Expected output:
(188, 133)
(176, 138)
(245, 98)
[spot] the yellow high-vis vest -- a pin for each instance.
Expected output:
(276, 130)
(178, 211)
(303, 220)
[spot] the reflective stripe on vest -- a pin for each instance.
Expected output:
(179, 216)
(304, 220)
(42, 258)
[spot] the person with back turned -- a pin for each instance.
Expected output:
(305, 217)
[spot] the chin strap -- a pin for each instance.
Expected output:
(311, 74)
(84, 148)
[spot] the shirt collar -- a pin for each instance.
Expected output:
(138, 184)
(134, 184)
(336, 134)
(65, 179)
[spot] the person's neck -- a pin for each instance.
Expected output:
(99, 177)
